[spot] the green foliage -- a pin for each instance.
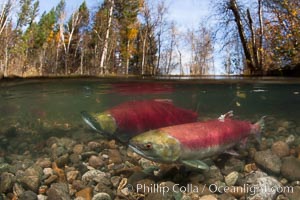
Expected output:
(28, 12)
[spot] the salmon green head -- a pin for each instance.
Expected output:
(156, 145)
(102, 122)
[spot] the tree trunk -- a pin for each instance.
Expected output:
(105, 47)
(158, 55)
(127, 58)
(253, 41)
(42, 56)
(180, 62)
(144, 52)
(6, 54)
(261, 33)
(81, 62)
(56, 59)
(234, 8)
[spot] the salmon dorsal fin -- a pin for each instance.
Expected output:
(197, 164)
(227, 115)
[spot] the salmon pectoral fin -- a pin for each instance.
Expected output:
(197, 164)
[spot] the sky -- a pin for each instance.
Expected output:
(186, 13)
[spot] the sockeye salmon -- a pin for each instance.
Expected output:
(128, 119)
(190, 143)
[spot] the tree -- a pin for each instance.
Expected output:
(126, 12)
(5, 28)
(160, 24)
(103, 69)
(28, 12)
(201, 48)
(4, 14)
(235, 18)
(282, 32)
(146, 40)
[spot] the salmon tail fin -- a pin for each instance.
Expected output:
(258, 128)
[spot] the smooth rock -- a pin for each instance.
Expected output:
(114, 156)
(85, 193)
(268, 161)
(88, 154)
(48, 171)
(78, 185)
(96, 162)
(43, 162)
(281, 149)
(78, 148)
(94, 146)
(293, 193)
(226, 196)
(97, 176)
(262, 183)
(72, 175)
(233, 164)
(208, 197)
(28, 195)
(290, 139)
(31, 178)
(63, 160)
(50, 179)
(231, 178)
(112, 144)
(100, 187)
(6, 181)
(75, 158)
(290, 168)
(101, 196)
(58, 191)
(213, 175)
(250, 168)
(282, 131)
(42, 197)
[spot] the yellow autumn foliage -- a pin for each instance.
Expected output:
(132, 33)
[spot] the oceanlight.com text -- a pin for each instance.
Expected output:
(213, 188)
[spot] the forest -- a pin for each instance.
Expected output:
(136, 37)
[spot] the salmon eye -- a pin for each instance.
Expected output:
(148, 145)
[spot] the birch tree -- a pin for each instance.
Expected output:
(4, 14)
(103, 66)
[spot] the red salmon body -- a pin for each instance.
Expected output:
(210, 133)
(192, 142)
(138, 116)
(131, 118)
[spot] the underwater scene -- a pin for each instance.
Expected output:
(102, 139)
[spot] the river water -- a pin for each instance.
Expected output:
(32, 111)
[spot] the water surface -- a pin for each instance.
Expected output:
(52, 107)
